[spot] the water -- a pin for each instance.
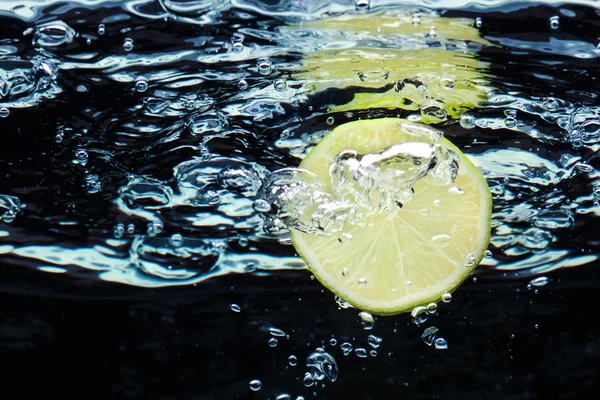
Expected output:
(132, 162)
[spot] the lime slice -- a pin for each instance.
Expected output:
(394, 260)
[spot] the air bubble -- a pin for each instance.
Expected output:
(362, 282)
(81, 157)
(293, 360)
(374, 341)
(424, 212)
(429, 335)
(118, 230)
(416, 20)
(368, 321)
(360, 352)
(237, 47)
(273, 342)
(467, 121)
(308, 379)
(540, 281)
(322, 365)
(283, 396)
(448, 83)
(345, 272)
(176, 240)
(280, 85)
(441, 240)
(432, 31)
(261, 206)
(264, 66)
(235, 308)
(131, 229)
(332, 342)
(4, 112)
(128, 44)
(437, 202)
(141, 85)
(440, 344)
(373, 353)
(330, 120)
(363, 5)
(432, 308)
(478, 22)
(276, 332)
(470, 260)
(101, 29)
(554, 22)
(446, 297)
(346, 348)
(487, 254)
(242, 84)
(419, 315)
(255, 385)
(456, 190)
(345, 238)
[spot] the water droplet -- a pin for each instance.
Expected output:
(332, 341)
(293, 360)
(255, 385)
(330, 120)
(367, 320)
(419, 315)
(446, 297)
(261, 206)
(346, 348)
(487, 254)
(141, 85)
(128, 44)
(118, 230)
(242, 84)
(374, 341)
(540, 281)
(429, 335)
(322, 365)
(440, 344)
(362, 282)
(276, 332)
(308, 379)
(280, 85)
(470, 260)
(345, 272)
(363, 5)
(432, 308)
(456, 190)
(360, 352)
(101, 29)
(478, 22)
(4, 112)
(554, 22)
(373, 353)
(264, 66)
(437, 202)
(273, 342)
(235, 308)
(441, 240)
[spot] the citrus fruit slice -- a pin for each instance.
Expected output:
(398, 258)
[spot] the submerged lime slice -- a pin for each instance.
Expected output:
(394, 260)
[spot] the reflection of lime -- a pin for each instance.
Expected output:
(395, 260)
(397, 62)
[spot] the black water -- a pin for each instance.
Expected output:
(88, 310)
